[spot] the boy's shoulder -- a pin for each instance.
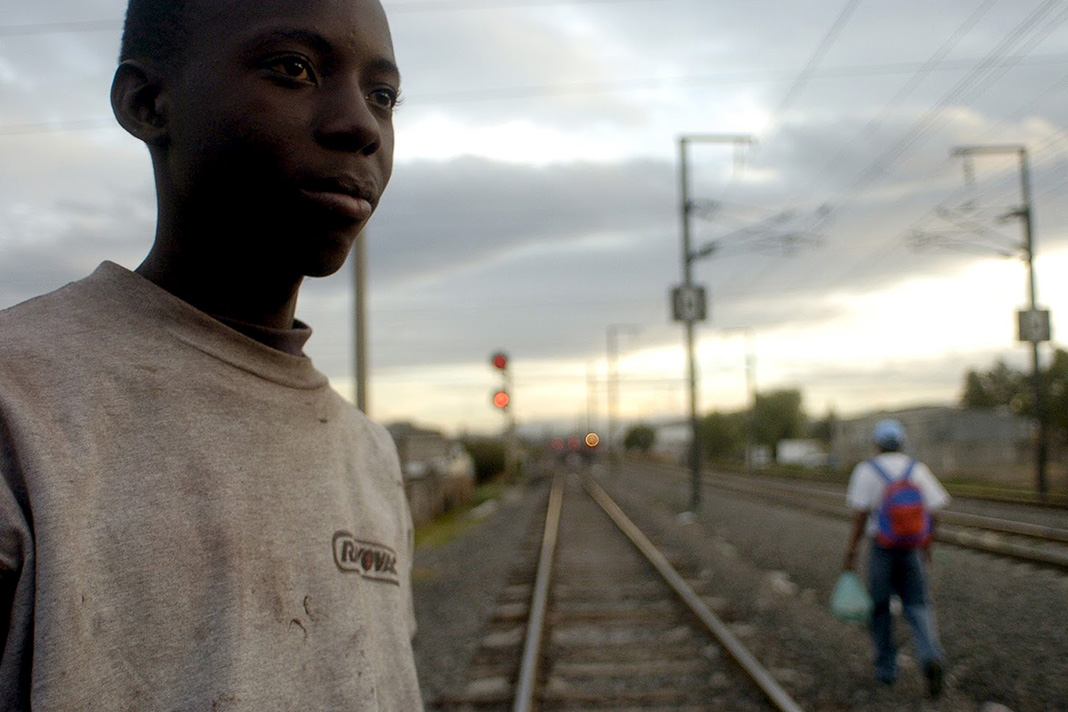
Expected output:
(72, 309)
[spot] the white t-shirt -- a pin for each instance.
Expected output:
(866, 487)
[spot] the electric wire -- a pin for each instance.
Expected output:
(825, 44)
(1004, 61)
(970, 211)
(793, 92)
(411, 6)
(913, 83)
(604, 87)
(974, 82)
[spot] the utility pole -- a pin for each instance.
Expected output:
(359, 328)
(1034, 323)
(750, 391)
(612, 345)
(591, 397)
(689, 300)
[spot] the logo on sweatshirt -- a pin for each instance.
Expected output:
(369, 559)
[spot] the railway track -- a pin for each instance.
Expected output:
(1023, 541)
(596, 618)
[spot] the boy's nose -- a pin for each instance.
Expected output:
(347, 122)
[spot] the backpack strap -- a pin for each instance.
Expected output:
(908, 470)
(886, 476)
(880, 471)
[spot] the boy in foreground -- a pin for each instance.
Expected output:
(190, 518)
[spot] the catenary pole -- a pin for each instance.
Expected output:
(1026, 215)
(1041, 454)
(688, 257)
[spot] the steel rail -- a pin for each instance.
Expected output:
(528, 667)
(763, 679)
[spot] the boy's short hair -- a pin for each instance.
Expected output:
(155, 30)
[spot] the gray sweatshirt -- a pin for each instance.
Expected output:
(190, 520)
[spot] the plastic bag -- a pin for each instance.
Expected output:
(850, 601)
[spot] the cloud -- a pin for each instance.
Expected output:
(535, 199)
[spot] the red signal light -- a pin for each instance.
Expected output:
(500, 399)
(500, 360)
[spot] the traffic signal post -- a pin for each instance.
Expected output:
(502, 400)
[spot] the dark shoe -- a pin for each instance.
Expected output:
(933, 672)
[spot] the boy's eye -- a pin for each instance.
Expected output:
(296, 68)
(384, 98)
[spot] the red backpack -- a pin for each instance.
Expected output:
(903, 518)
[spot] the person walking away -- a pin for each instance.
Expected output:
(895, 498)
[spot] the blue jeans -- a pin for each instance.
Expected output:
(901, 572)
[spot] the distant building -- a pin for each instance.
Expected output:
(438, 472)
(803, 452)
(988, 444)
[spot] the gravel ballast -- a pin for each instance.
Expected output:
(1002, 623)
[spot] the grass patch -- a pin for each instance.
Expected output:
(1025, 493)
(443, 529)
(456, 521)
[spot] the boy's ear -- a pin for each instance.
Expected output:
(140, 102)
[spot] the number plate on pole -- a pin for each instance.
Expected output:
(1033, 325)
(689, 303)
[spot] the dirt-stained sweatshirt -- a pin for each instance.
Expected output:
(189, 519)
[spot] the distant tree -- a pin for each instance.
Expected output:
(1003, 386)
(778, 416)
(823, 429)
(1000, 386)
(488, 454)
(723, 435)
(639, 437)
(1057, 394)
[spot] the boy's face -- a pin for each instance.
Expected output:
(280, 128)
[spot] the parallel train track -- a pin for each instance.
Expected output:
(1023, 541)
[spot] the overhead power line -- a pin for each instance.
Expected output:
(57, 126)
(411, 6)
(933, 62)
(821, 51)
(465, 5)
(616, 86)
(972, 83)
(48, 28)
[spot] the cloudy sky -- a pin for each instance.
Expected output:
(534, 206)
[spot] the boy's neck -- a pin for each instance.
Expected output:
(248, 294)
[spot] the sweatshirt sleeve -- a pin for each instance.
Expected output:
(13, 531)
(16, 581)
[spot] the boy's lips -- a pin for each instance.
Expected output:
(342, 197)
(349, 205)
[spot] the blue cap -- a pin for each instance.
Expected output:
(889, 434)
